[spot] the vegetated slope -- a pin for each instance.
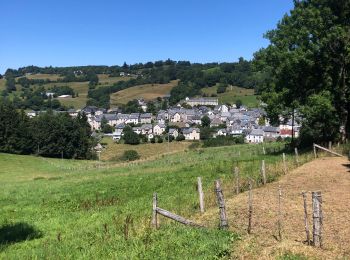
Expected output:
(79, 209)
(147, 92)
(234, 93)
(146, 151)
(331, 176)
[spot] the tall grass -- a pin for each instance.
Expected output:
(87, 210)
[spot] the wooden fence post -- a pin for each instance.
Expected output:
(315, 153)
(236, 176)
(330, 145)
(250, 207)
(263, 172)
(306, 219)
(264, 152)
(279, 213)
(284, 163)
(317, 218)
(221, 203)
(154, 212)
(201, 194)
(296, 155)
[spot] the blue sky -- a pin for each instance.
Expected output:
(84, 32)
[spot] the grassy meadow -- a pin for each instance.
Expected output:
(52, 208)
(146, 151)
(233, 93)
(147, 92)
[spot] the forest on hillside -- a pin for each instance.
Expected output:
(192, 78)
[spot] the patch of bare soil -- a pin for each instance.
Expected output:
(331, 176)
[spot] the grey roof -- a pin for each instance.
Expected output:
(271, 129)
(190, 130)
(257, 132)
(146, 115)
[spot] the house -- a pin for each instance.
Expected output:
(133, 118)
(73, 112)
(161, 119)
(146, 129)
(136, 130)
(122, 118)
(234, 130)
(176, 117)
(215, 122)
(255, 136)
(50, 94)
(31, 114)
(173, 132)
(158, 129)
(117, 134)
(224, 116)
(220, 132)
(146, 118)
(111, 119)
(191, 133)
(202, 101)
(271, 132)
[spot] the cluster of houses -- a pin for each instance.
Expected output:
(225, 120)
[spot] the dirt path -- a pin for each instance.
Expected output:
(331, 176)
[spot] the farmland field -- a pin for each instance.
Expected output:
(52, 208)
(233, 93)
(147, 92)
(146, 151)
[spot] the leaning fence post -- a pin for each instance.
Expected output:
(154, 212)
(306, 219)
(263, 172)
(250, 207)
(296, 156)
(201, 194)
(221, 203)
(317, 218)
(284, 163)
(236, 176)
(315, 153)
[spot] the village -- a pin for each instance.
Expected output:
(184, 123)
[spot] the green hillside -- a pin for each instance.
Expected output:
(52, 208)
(233, 93)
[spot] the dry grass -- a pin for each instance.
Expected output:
(331, 176)
(146, 151)
(147, 92)
(52, 77)
(104, 79)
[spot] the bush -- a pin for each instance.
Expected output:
(130, 155)
(223, 141)
(180, 138)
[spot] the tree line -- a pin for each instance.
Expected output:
(48, 134)
(304, 72)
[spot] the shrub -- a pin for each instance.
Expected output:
(180, 137)
(223, 141)
(130, 155)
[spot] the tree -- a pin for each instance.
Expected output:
(130, 137)
(238, 103)
(10, 84)
(309, 54)
(205, 121)
(105, 127)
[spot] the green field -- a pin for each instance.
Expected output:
(233, 93)
(52, 208)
